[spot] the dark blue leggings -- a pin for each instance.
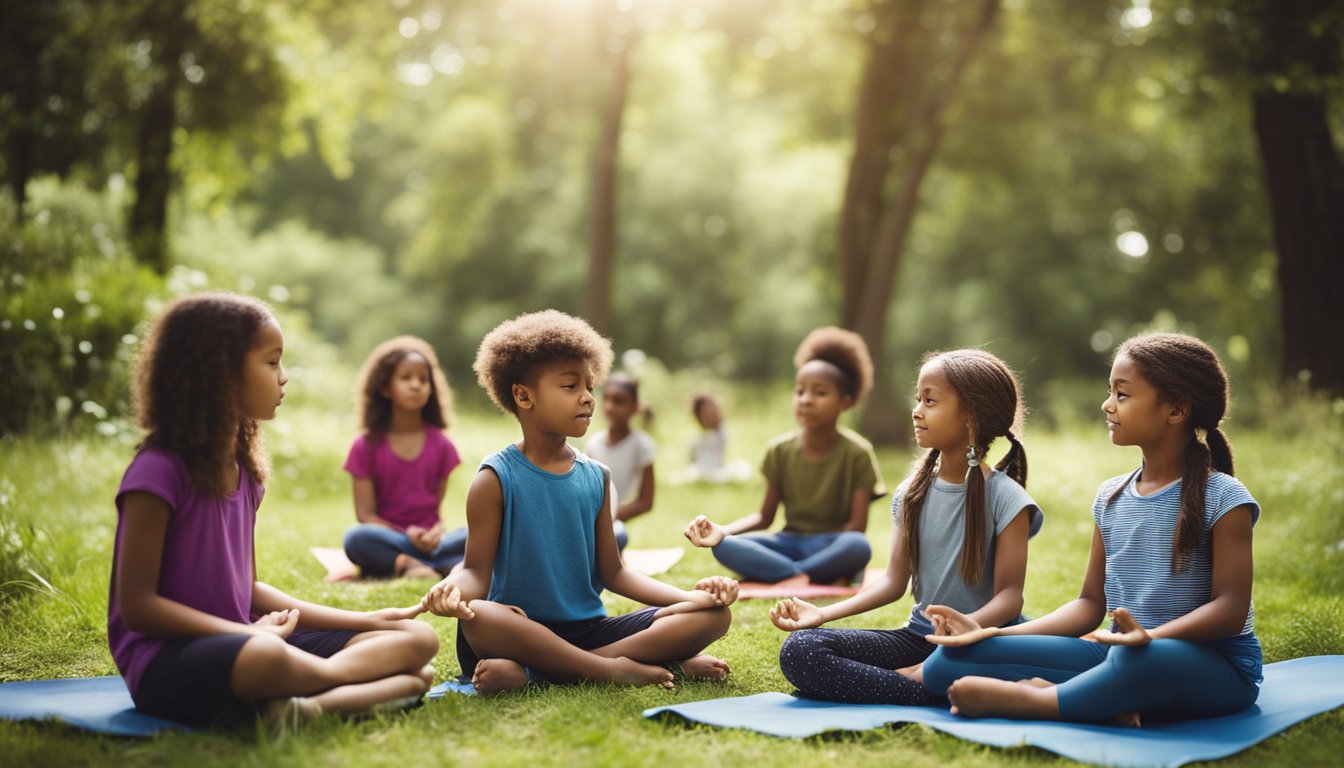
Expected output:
(856, 666)
(1096, 682)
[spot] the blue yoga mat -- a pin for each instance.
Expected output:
(100, 704)
(1292, 692)
(451, 686)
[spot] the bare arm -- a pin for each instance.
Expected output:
(1010, 574)
(485, 515)
(858, 511)
(641, 504)
(757, 521)
(793, 614)
(145, 523)
(266, 599)
(628, 582)
(366, 503)
(1081, 615)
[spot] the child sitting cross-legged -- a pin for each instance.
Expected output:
(540, 544)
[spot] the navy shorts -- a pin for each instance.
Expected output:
(187, 681)
(586, 634)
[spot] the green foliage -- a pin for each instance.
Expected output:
(73, 299)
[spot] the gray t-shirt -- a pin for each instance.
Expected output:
(941, 532)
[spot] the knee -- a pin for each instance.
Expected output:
(940, 670)
(1159, 660)
(264, 654)
(855, 544)
(718, 620)
(489, 617)
(799, 653)
(422, 642)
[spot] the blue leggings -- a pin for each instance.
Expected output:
(1096, 683)
(374, 548)
(771, 557)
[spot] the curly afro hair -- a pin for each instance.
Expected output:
(374, 408)
(515, 349)
(843, 349)
(188, 386)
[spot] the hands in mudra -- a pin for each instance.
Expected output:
(710, 592)
(791, 614)
(954, 628)
(445, 599)
(703, 532)
(1127, 631)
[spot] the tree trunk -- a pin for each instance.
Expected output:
(874, 227)
(153, 180)
(1305, 181)
(602, 206)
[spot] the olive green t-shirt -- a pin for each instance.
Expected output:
(816, 493)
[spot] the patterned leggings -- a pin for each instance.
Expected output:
(856, 666)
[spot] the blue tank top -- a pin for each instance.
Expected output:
(546, 562)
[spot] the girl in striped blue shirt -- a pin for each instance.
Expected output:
(1171, 563)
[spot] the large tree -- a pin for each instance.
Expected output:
(917, 55)
(1292, 51)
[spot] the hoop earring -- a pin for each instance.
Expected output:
(971, 460)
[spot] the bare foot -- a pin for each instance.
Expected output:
(914, 672)
(627, 671)
(498, 675)
(426, 673)
(796, 580)
(987, 697)
(706, 667)
(408, 567)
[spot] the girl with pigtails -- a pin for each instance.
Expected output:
(959, 536)
(1170, 563)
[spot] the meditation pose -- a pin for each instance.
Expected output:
(197, 638)
(627, 452)
(400, 464)
(960, 535)
(824, 475)
(1170, 562)
(540, 543)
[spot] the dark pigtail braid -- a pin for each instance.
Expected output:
(973, 522)
(912, 501)
(1014, 464)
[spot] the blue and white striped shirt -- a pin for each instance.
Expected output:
(1138, 533)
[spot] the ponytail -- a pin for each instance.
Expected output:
(912, 501)
(1014, 464)
(1190, 522)
(973, 539)
(1221, 451)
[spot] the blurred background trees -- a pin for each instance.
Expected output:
(707, 179)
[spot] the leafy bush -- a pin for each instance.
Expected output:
(71, 300)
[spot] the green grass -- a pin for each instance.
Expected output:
(57, 522)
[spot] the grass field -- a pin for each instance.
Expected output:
(57, 521)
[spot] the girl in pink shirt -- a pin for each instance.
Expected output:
(197, 638)
(400, 464)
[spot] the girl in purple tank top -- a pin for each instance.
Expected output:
(197, 638)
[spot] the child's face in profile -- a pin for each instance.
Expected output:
(939, 420)
(263, 375)
(618, 405)
(709, 415)
(561, 402)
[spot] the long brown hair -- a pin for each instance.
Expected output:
(375, 408)
(990, 396)
(188, 385)
(1186, 371)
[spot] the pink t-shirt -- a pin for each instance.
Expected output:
(406, 491)
(207, 552)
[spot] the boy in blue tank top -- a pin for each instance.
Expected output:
(540, 544)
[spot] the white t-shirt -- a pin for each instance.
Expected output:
(626, 459)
